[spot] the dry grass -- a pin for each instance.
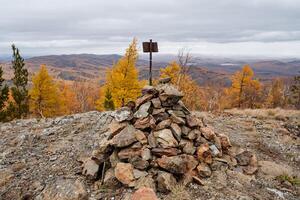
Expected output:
(277, 113)
(178, 192)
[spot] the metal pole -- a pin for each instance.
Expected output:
(150, 64)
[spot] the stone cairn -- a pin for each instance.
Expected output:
(156, 142)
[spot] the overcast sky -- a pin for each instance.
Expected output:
(210, 27)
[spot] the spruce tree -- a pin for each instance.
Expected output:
(108, 101)
(3, 96)
(20, 107)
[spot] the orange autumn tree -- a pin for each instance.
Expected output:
(44, 96)
(245, 91)
(70, 103)
(122, 80)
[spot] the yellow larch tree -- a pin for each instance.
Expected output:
(44, 96)
(70, 104)
(245, 90)
(122, 79)
(276, 94)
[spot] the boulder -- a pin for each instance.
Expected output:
(143, 123)
(148, 89)
(204, 153)
(157, 111)
(176, 130)
(109, 178)
(225, 142)
(141, 137)
(204, 170)
(124, 173)
(165, 181)
(146, 154)
(165, 151)
(123, 114)
(189, 148)
(244, 158)
(139, 163)
(169, 95)
(152, 140)
(128, 153)
(145, 181)
(163, 124)
(144, 193)
(125, 138)
(194, 134)
(178, 164)
(177, 120)
(142, 112)
(115, 127)
(165, 139)
(138, 173)
(143, 99)
(193, 121)
(208, 133)
(90, 168)
(156, 103)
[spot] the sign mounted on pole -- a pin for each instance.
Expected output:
(150, 47)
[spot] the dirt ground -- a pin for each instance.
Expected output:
(35, 155)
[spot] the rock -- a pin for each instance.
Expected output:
(128, 153)
(189, 148)
(161, 116)
(194, 134)
(90, 168)
(165, 182)
(114, 159)
(144, 194)
(215, 151)
(169, 95)
(152, 140)
(204, 170)
(139, 163)
(225, 142)
(143, 110)
(115, 127)
(177, 120)
(163, 124)
(164, 80)
(148, 89)
(125, 138)
(146, 154)
(164, 138)
(141, 137)
(124, 173)
(252, 167)
(143, 123)
(156, 103)
(176, 130)
(109, 178)
(193, 121)
(204, 153)
(138, 173)
(185, 130)
(165, 151)
(143, 99)
(64, 189)
(243, 159)
(156, 111)
(123, 114)
(208, 133)
(145, 181)
(177, 113)
(178, 164)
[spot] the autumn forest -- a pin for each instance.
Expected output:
(47, 96)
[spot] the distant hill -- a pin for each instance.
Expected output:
(204, 70)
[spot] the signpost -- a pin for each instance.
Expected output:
(150, 47)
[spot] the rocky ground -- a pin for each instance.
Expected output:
(42, 159)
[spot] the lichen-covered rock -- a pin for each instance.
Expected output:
(123, 114)
(90, 168)
(204, 153)
(165, 181)
(142, 112)
(124, 173)
(125, 138)
(165, 139)
(178, 164)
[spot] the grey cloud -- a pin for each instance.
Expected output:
(55, 26)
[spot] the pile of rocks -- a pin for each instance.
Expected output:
(157, 142)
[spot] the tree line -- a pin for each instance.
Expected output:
(48, 97)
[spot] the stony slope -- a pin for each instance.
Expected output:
(45, 157)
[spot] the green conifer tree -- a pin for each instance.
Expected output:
(3, 96)
(108, 101)
(19, 107)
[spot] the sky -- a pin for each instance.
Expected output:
(269, 28)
